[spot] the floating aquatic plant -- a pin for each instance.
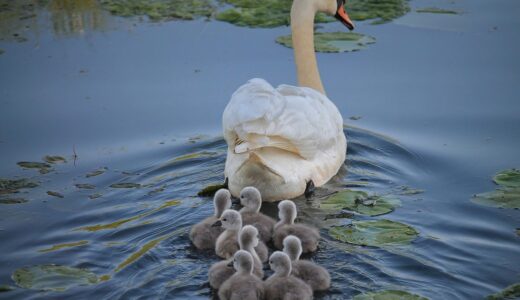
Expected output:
(52, 277)
(361, 202)
(95, 173)
(125, 185)
(54, 159)
(158, 10)
(10, 186)
(510, 292)
(86, 186)
(13, 201)
(95, 196)
(62, 246)
(55, 194)
(436, 10)
(44, 168)
(334, 41)
(508, 193)
(389, 295)
(211, 189)
(375, 233)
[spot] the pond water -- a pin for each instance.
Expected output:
(434, 106)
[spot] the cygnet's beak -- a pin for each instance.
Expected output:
(235, 201)
(230, 263)
(342, 15)
(217, 224)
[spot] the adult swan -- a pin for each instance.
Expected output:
(285, 141)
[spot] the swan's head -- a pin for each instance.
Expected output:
(334, 8)
(248, 237)
(230, 219)
(287, 211)
(280, 263)
(243, 262)
(292, 246)
(251, 199)
(221, 201)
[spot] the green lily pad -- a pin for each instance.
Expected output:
(10, 186)
(44, 168)
(436, 10)
(52, 277)
(502, 198)
(159, 10)
(211, 189)
(375, 233)
(95, 196)
(334, 41)
(511, 292)
(360, 202)
(389, 295)
(13, 201)
(54, 159)
(86, 186)
(125, 185)
(55, 194)
(508, 178)
(274, 13)
(95, 173)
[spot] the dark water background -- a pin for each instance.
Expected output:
(439, 101)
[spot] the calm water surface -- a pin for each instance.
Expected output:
(438, 97)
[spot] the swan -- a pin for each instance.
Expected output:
(227, 242)
(243, 284)
(251, 199)
(221, 271)
(289, 139)
(282, 285)
(317, 277)
(203, 235)
(309, 236)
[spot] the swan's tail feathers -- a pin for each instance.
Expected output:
(256, 141)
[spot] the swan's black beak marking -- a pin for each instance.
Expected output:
(342, 15)
(217, 224)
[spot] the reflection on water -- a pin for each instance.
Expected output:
(23, 19)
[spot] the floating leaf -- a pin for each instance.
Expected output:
(160, 10)
(389, 295)
(52, 277)
(54, 159)
(55, 194)
(502, 198)
(13, 201)
(95, 196)
(33, 165)
(85, 186)
(508, 178)
(125, 185)
(8, 186)
(511, 292)
(62, 246)
(375, 233)
(334, 41)
(211, 189)
(5, 288)
(360, 202)
(194, 155)
(436, 10)
(407, 191)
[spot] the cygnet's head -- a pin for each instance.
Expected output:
(243, 262)
(230, 219)
(221, 201)
(292, 246)
(280, 263)
(287, 211)
(248, 237)
(251, 199)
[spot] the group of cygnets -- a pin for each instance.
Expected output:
(240, 238)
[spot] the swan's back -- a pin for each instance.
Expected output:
(284, 288)
(242, 287)
(317, 277)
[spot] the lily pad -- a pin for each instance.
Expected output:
(9, 186)
(511, 292)
(334, 41)
(211, 189)
(508, 178)
(95, 196)
(55, 194)
(159, 10)
(375, 233)
(85, 186)
(54, 159)
(360, 202)
(13, 201)
(52, 277)
(502, 198)
(95, 173)
(389, 295)
(44, 168)
(125, 185)
(436, 10)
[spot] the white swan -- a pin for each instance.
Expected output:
(285, 139)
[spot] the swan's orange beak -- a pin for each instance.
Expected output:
(342, 15)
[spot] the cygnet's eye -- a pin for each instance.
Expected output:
(224, 219)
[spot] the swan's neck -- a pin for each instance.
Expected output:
(252, 251)
(247, 209)
(302, 27)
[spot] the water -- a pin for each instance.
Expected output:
(439, 113)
